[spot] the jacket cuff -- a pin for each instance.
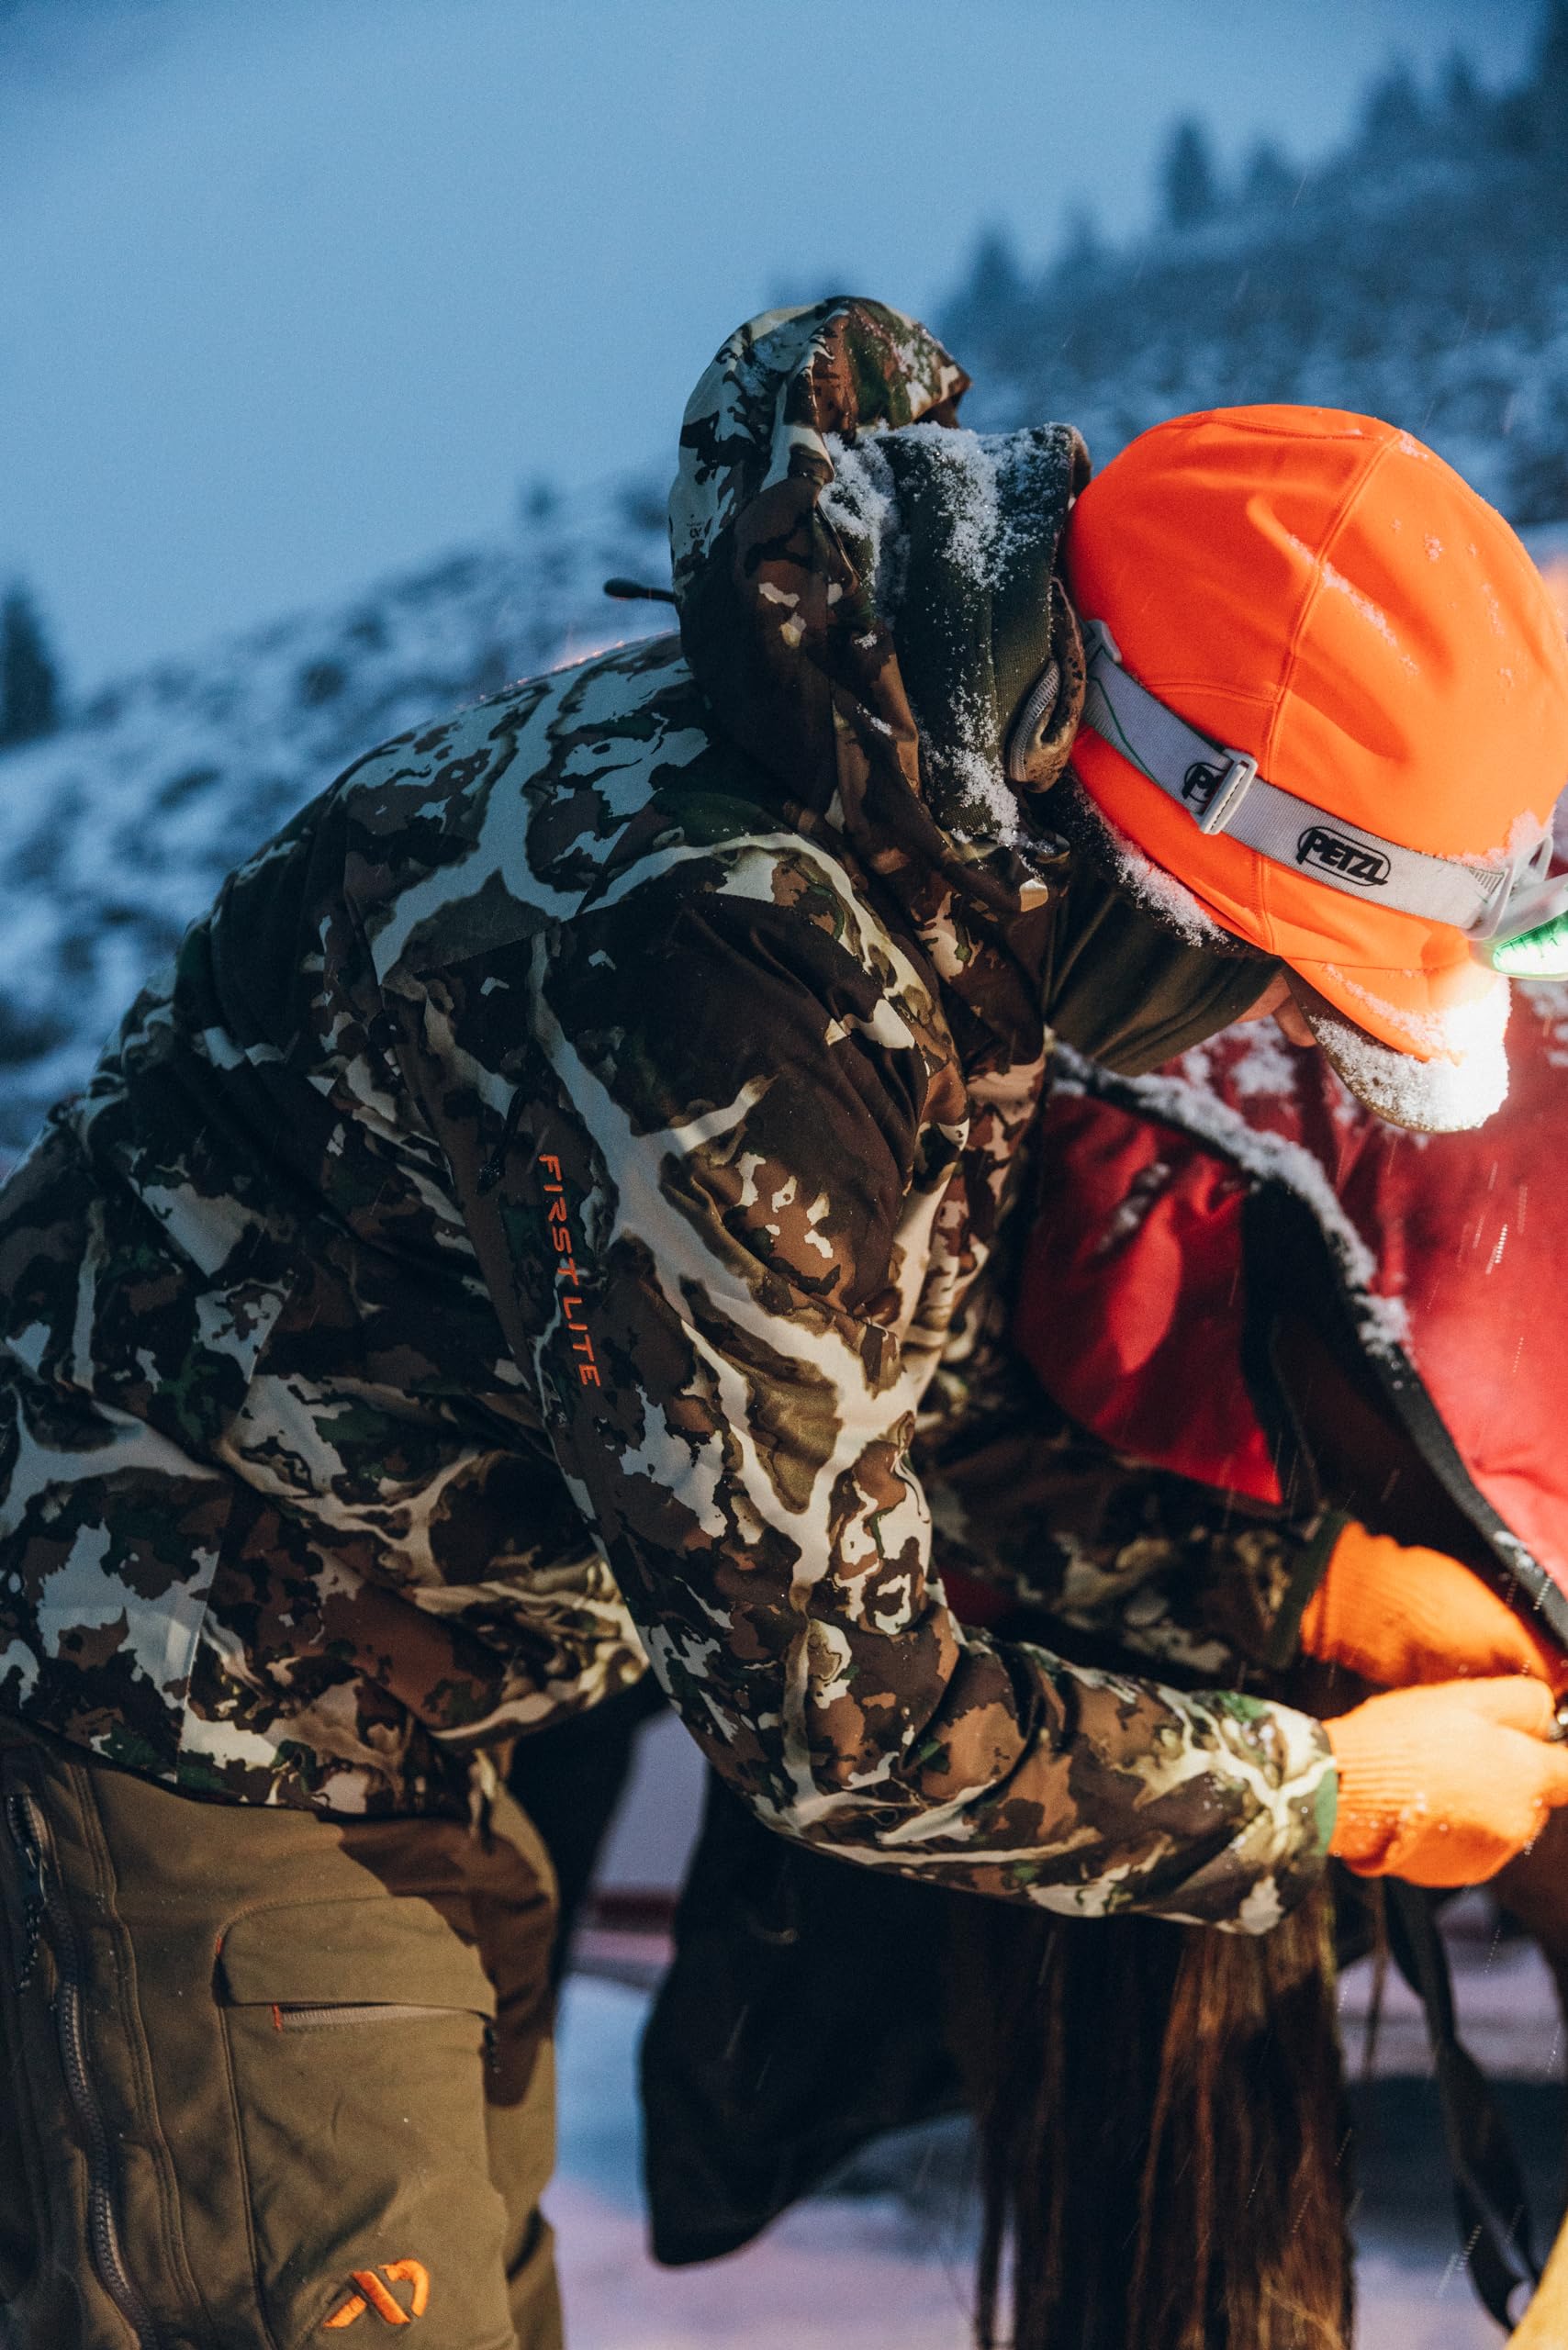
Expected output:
(1289, 1853)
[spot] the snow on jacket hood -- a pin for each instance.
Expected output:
(869, 594)
(865, 589)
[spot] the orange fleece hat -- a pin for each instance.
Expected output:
(1318, 590)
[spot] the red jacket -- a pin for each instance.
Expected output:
(1148, 1253)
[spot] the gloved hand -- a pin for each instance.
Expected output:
(1396, 1616)
(1444, 1785)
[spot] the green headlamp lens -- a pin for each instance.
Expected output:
(1538, 954)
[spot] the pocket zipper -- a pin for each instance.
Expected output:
(44, 1905)
(321, 2019)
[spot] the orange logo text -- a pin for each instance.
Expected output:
(558, 1217)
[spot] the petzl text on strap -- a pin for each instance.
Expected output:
(1223, 792)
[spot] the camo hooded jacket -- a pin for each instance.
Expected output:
(518, 1239)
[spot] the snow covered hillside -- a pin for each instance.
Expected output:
(116, 833)
(1419, 275)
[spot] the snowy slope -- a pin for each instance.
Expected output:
(115, 834)
(1422, 277)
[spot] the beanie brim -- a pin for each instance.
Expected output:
(1459, 1083)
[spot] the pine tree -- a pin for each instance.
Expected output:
(1538, 466)
(1082, 248)
(1267, 177)
(1187, 175)
(1551, 91)
(29, 684)
(1395, 116)
(537, 502)
(996, 279)
(1461, 90)
(983, 315)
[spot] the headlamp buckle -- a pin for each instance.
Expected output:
(1214, 793)
(1523, 895)
(1212, 788)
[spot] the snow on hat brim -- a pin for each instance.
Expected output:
(1460, 1086)
(1418, 1040)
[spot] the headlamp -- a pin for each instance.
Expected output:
(1531, 941)
(1513, 913)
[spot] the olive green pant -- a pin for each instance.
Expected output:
(267, 2078)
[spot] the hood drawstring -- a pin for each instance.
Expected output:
(630, 591)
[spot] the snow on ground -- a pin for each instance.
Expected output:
(878, 2270)
(881, 2265)
(885, 2263)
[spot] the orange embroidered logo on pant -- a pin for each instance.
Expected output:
(372, 2294)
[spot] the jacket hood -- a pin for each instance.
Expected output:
(867, 592)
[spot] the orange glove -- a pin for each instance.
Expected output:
(1443, 1785)
(1396, 1616)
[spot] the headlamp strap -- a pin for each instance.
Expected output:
(1222, 790)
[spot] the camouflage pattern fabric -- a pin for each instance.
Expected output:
(1132, 1565)
(518, 1239)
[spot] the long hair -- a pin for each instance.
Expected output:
(1162, 2134)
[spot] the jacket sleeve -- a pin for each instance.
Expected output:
(720, 1203)
(1150, 1570)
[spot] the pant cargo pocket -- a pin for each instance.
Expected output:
(357, 2034)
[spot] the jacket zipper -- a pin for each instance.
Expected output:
(44, 1905)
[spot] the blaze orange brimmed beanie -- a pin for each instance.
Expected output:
(1324, 595)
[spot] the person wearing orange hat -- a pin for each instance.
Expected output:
(1250, 1304)
(1328, 691)
(1327, 706)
